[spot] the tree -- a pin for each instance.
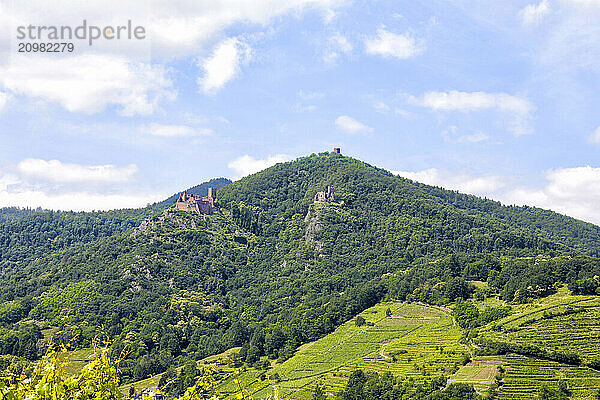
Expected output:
(562, 392)
(360, 321)
(354, 389)
(458, 288)
(466, 314)
(318, 394)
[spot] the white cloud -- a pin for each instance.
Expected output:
(120, 73)
(472, 101)
(7, 180)
(179, 30)
(519, 107)
(350, 125)
(193, 23)
(223, 64)
(451, 135)
(482, 185)
(571, 191)
(89, 83)
(337, 46)
(57, 171)
(473, 138)
(63, 186)
(329, 16)
(388, 44)
(76, 201)
(247, 165)
(532, 14)
(160, 130)
(3, 100)
(572, 43)
(595, 136)
(381, 107)
(404, 114)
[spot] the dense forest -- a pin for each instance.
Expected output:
(272, 269)
(27, 234)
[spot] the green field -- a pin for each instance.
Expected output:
(524, 375)
(558, 323)
(415, 340)
(480, 372)
(421, 341)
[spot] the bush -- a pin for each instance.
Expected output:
(466, 315)
(490, 314)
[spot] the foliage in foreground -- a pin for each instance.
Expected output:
(46, 379)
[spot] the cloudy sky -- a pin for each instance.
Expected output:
(498, 99)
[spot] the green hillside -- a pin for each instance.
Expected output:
(544, 342)
(410, 340)
(271, 270)
(201, 189)
(564, 328)
(27, 234)
(420, 342)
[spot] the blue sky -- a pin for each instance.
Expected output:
(498, 99)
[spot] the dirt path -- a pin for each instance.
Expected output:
(382, 352)
(445, 309)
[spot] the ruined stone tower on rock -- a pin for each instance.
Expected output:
(195, 202)
(326, 196)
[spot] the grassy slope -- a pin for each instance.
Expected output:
(524, 375)
(427, 334)
(421, 341)
(548, 325)
(577, 333)
(152, 381)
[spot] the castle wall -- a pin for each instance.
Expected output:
(194, 202)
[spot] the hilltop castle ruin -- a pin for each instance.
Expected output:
(326, 196)
(195, 202)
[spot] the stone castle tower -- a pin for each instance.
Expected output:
(326, 196)
(195, 202)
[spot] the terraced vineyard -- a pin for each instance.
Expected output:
(564, 326)
(524, 376)
(480, 372)
(415, 340)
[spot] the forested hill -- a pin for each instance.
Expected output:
(287, 189)
(30, 234)
(271, 269)
(201, 189)
(580, 235)
(27, 234)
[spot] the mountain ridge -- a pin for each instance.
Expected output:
(247, 274)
